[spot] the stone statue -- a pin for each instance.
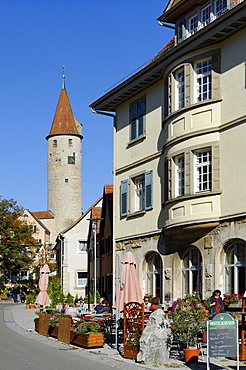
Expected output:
(156, 339)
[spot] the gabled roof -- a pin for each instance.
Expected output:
(64, 121)
(177, 8)
(33, 214)
(43, 214)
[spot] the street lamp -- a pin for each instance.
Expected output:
(94, 228)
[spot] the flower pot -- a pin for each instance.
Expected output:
(191, 355)
(87, 340)
(131, 351)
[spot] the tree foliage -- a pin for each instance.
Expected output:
(17, 246)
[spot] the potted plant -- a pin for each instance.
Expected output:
(30, 299)
(87, 334)
(188, 319)
(231, 298)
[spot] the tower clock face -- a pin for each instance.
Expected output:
(71, 160)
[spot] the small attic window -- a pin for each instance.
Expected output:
(54, 143)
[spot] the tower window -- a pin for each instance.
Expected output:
(66, 180)
(54, 143)
(70, 142)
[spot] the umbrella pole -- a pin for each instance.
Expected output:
(117, 262)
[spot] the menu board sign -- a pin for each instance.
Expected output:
(222, 336)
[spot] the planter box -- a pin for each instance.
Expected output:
(64, 330)
(53, 331)
(131, 351)
(3, 297)
(85, 340)
(43, 324)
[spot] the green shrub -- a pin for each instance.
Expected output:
(89, 298)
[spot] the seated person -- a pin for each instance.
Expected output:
(64, 307)
(71, 310)
(155, 304)
(147, 304)
(102, 307)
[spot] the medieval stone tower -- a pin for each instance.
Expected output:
(64, 166)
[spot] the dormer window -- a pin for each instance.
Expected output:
(220, 7)
(193, 24)
(206, 15)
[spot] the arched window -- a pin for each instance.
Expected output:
(153, 275)
(235, 265)
(192, 272)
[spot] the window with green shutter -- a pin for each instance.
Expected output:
(137, 114)
(124, 198)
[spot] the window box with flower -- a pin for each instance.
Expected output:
(87, 335)
(231, 299)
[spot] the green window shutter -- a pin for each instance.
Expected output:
(141, 114)
(148, 190)
(133, 121)
(124, 198)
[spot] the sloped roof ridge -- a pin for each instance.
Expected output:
(43, 214)
(38, 220)
(82, 216)
(63, 121)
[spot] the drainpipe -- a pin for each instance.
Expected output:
(166, 25)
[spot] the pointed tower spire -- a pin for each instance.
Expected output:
(63, 77)
(64, 121)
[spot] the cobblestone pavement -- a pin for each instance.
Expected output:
(21, 320)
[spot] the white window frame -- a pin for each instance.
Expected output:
(203, 79)
(179, 178)
(193, 22)
(180, 89)
(139, 196)
(203, 170)
(83, 281)
(191, 269)
(206, 13)
(219, 7)
(79, 251)
(235, 266)
(153, 276)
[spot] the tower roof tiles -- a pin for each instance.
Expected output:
(64, 121)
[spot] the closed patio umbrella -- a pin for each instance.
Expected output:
(43, 298)
(130, 289)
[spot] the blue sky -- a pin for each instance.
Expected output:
(99, 42)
